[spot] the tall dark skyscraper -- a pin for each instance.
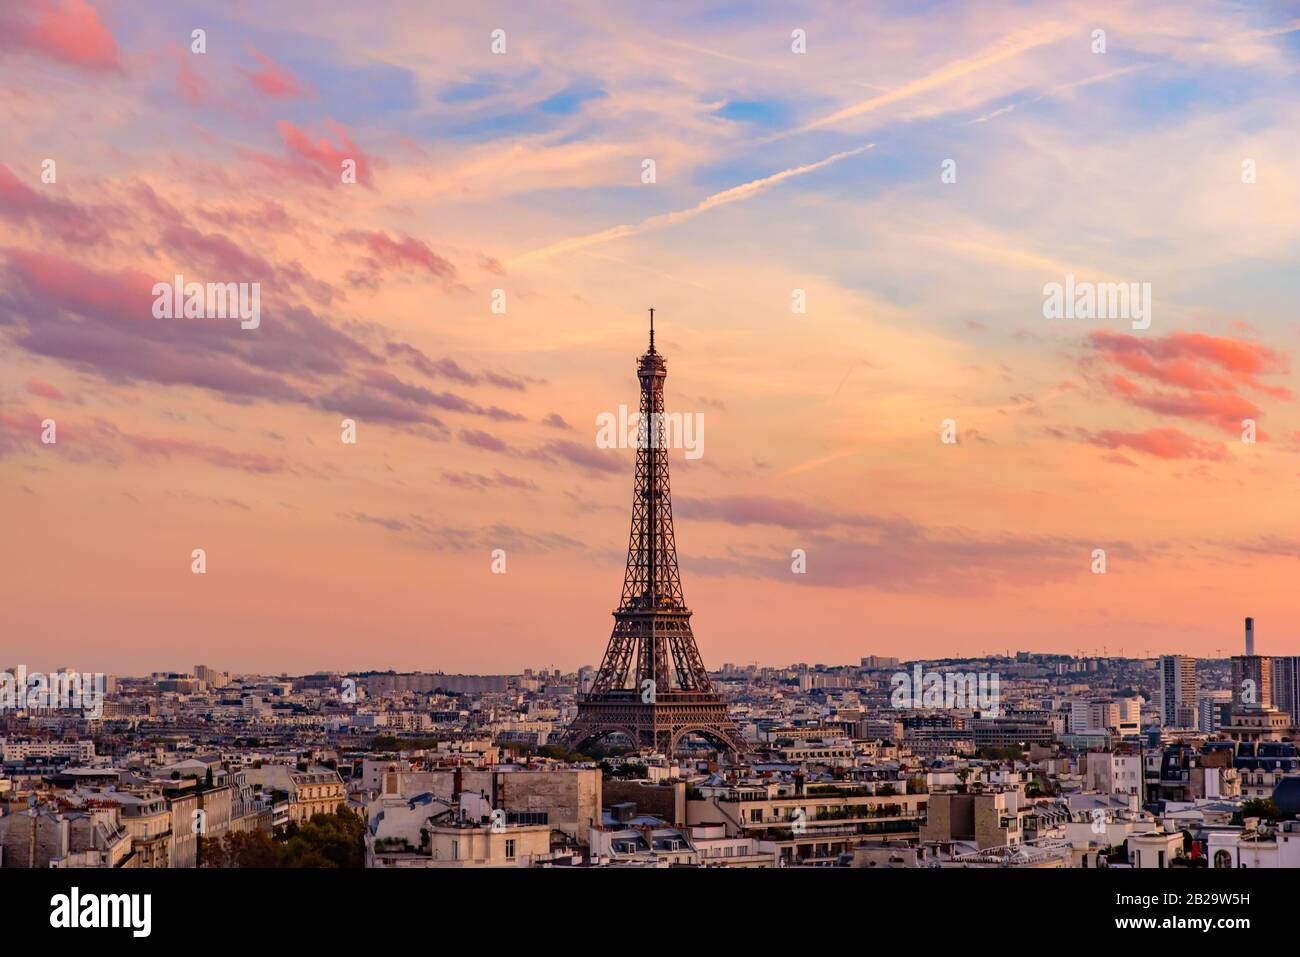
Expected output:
(652, 685)
(1252, 676)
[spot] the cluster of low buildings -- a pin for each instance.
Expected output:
(1059, 761)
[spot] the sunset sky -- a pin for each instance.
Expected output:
(522, 171)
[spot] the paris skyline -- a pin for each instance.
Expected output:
(828, 292)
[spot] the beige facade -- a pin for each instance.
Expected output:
(318, 790)
(183, 849)
(483, 847)
(216, 805)
(1255, 725)
(148, 820)
(992, 818)
(570, 798)
(1154, 849)
(315, 792)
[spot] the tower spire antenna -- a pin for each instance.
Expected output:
(652, 329)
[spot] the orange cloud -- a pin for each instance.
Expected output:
(1205, 373)
(1167, 443)
(1189, 360)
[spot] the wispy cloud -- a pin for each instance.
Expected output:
(733, 195)
(1007, 48)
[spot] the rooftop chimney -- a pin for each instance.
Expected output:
(1250, 637)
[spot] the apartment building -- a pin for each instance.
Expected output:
(813, 825)
(1178, 691)
(307, 792)
(318, 791)
(1018, 729)
(1111, 773)
(20, 750)
(423, 830)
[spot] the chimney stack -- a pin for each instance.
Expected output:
(1250, 637)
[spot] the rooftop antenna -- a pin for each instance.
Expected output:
(652, 329)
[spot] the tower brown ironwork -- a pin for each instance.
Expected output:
(652, 686)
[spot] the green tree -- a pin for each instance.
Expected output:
(242, 849)
(1263, 808)
(621, 771)
(327, 840)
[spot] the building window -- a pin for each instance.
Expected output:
(510, 849)
(455, 850)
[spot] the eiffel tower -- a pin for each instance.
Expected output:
(652, 686)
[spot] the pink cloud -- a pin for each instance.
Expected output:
(21, 431)
(228, 258)
(482, 440)
(103, 320)
(69, 32)
(418, 395)
(193, 87)
(323, 157)
(59, 217)
(854, 549)
(123, 295)
(595, 462)
(43, 389)
(211, 454)
(273, 79)
(405, 252)
(100, 440)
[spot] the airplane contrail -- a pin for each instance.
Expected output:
(732, 195)
(1006, 48)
